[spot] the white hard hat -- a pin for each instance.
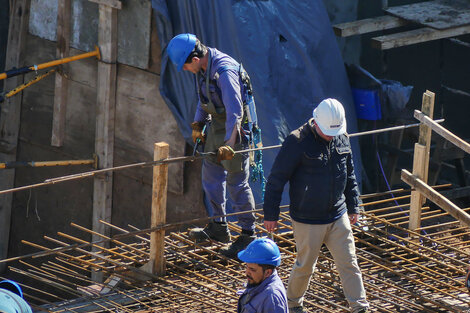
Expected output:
(329, 116)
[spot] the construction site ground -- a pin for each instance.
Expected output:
(403, 271)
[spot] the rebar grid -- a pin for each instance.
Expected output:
(403, 271)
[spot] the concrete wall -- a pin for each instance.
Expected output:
(142, 118)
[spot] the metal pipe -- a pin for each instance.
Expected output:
(25, 85)
(19, 164)
(24, 70)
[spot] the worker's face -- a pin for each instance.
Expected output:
(193, 67)
(321, 134)
(255, 274)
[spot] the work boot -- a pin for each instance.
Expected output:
(214, 231)
(297, 309)
(238, 245)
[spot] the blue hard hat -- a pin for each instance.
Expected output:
(12, 286)
(180, 48)
(10, 302)
(261, 251)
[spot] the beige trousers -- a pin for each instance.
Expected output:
(338, 238)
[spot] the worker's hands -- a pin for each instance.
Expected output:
(225, 153)
(270, 226)
(197, 133)
(353, 218)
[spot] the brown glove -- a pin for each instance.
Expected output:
(225, 153)
(197, 128)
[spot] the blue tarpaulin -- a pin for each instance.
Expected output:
(287, 47)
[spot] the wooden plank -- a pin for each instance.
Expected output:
(10, 115)
(64, 12)
(159, 197)
(462, 144)
(115, 4)
(436, 198)
(105, 115)
(425, 132)
(418, 171)
(416, 36)
(368, 25)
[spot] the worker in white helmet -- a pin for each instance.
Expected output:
(316, 160)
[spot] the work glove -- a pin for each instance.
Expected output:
(225, 153)
(197, 133)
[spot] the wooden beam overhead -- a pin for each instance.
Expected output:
(436, 197)
(115, 4)
(368, 25)
(416, 36)
(462, 144)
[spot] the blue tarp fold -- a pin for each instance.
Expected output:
(287, 47)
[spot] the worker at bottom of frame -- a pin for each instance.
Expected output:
(11, 298)
(265, 292)
(220, 123)
(316, 160)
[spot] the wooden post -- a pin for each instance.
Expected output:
(459, 214)
(105, 116)
(418, 171)
(159, 194)
(10, 115)
(61, 83)
(421, 160)
(425, 131)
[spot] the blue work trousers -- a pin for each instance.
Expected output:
(216, 180)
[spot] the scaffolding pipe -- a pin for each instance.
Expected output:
(27, 69)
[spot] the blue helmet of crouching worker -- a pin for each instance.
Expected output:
(261, 251)
(179, 48)
(11, 298)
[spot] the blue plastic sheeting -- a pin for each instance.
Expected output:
(287, 47)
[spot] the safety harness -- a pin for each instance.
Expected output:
(250, 119)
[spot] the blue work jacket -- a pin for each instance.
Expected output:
(226, 91)
(267, 297)
(320, 174)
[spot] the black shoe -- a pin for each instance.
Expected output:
(214, 231)
(238, 245)
(365, 310)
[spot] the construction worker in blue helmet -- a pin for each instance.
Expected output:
(220, 123)
(265, 292)
(11, 298)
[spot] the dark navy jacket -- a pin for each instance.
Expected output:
(321, 177)
(267, 297)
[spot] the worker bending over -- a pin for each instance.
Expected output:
(223, 90)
